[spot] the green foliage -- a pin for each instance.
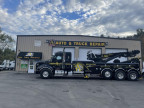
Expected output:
(7, 54)
(1, 56)
(101, 35)
(6, 41)
(139, 36)
(140, 32)
(0, 30)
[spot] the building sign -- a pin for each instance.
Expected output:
(30, 55)
(76, 43)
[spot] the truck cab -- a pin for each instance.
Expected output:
(57, 61)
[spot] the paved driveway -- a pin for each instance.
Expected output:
(21, 90)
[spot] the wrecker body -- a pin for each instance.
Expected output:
(96, 65)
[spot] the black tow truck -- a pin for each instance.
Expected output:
(96, 64)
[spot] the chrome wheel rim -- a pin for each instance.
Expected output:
(107, 74)
(120, 75)
(45, 74)
(133, 76)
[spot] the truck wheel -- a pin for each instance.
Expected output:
(46, 73)
(133, 75)
(107, 74)
(120, 75)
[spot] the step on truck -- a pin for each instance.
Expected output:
(96, 65)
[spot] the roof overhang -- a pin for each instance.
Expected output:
(30, 55)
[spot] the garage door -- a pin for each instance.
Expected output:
(56, 49)
(115, 51)
(83, 53)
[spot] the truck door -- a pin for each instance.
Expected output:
(57, 61)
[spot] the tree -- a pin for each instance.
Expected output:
(102, 35)
(6, 41)
(140, 32)
(140, 36)
(9, 54)
(0, 30)
(1, 56)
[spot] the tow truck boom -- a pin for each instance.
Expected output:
(104, 58)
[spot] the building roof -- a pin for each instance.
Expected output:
(82, 36)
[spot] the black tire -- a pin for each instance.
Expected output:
(120, 75)
(107, 74)
(133, 76)
(46, 73)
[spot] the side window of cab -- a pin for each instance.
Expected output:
(59, 58)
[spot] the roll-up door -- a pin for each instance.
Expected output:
(83, 53)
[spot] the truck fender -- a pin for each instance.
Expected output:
(138, 71)
(45, 66)
(119, 69)
(105, 69)
(133, 70)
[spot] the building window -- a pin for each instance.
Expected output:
(37, 43)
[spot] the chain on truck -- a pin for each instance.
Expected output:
(96, 65)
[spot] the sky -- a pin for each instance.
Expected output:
(71, 17)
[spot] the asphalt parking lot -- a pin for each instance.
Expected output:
(22, 90)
